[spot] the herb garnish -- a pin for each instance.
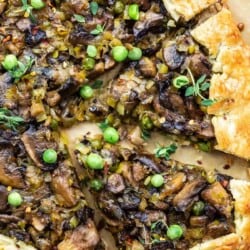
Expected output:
(104, 125)
(9, 120)
(165, 152)
(98, 30)
(79, 18)
(97, 84)
(28, 10)
(94, 7)
(21, 68)
(200, 85)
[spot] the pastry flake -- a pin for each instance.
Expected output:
(218, 30)
(186, 9)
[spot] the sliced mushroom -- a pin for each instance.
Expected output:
(36, 142)
(217, 196)
(187, 196)
(148, 161)
(173, 58)
(80, 36)
(115, 183)
(10, 175)
(199, 65)
(150, 21)
(198, 221)
(83, 237)
(3, 198)
(65, 193)
(147, 67)
(174, 185)
(217, 229)
(5, 89)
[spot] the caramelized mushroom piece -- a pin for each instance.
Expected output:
(187, 196)
(174, 185)
(151, 20)
(36, 143)
(10, 175)
(65, 193)
(173, 58)
(217, 196)
(147, 67)
(83, 237)
(115, 183)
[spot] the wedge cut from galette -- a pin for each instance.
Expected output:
(147, 201)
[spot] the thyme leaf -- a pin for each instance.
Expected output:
(165, 152)
(9, 120)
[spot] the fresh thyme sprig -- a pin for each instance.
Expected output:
(28, 10)
(200, 85)
(9, 120)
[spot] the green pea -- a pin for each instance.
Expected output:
(96, 184)
(88, 63)
(91, 51)
(95, 161)
(15, 199)
(50, 156)
(10, 62)
(180, 81)
(111, 135)
(135, 54)
(198, 208)
(37, 4)
(157, 180)
(119, 7)
(147, 122)
(133, 11)
(86, 92)
(174, 232)
(119, 53)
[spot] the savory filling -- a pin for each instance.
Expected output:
(151, 202)
(125, 63)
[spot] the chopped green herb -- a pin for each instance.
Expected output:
(28, 9)
(205, 86)
(180, 81)
(98, 30)
(198, 86)
(104, 125)
(94, 7)
(157, 224)
(21, 68)
(97, 84)
(9, 120)
(205, 146)
(145, 134)
(165, 152)
(79, 18)
(208, 102)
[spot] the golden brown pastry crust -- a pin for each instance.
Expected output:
(231, 85)
(232, 131)
(186, 9)
(240, 191)
(230, 82)
(240, 240)
(228, 242)
(218, 30)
